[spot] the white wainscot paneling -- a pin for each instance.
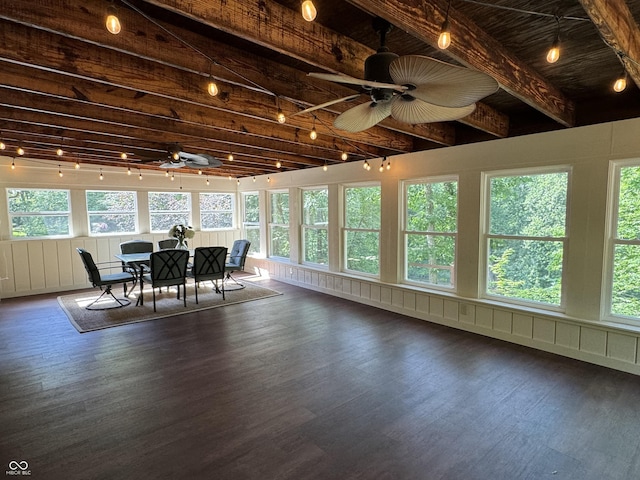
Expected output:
(436, 307)
(365, 290)
(593, 340)
(397, 298)
(523, 325)
(622, 347)
(409, 300)
(484, 317)
(467, 313)
(36, 266)
(502, 321)
(544, 330)
(568, 335)
(422, 303)
(451, 310)
(385, 295)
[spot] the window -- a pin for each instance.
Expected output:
(169, 209)
(216, 210)
(315, 218)
(279, 224)
(362, 229)
(526, 236)
(251, 220)
(430, 226)
(625, 281)
(111, 212)
(37, 213)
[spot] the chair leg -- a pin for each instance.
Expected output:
(184, 293)
(196, 285)
(107, 291)
(154, 298)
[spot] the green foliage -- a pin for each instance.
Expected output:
(251, 220)
(39, 213)
(362, 213)
(280, 208)
(315, 212)
(280, 241)
(111, 212)
(527, 206)
(216, 210)
(432, 207)
(168, 209)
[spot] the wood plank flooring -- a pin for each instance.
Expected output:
(302, 386)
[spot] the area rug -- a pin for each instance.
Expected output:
(167, 305)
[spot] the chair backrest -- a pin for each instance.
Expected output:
(208, 263)
(167, 243)
(90, 267)
(168, 267)
(238, 254)
(136, 246)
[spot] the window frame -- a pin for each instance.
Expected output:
(255, 246)
(151, 212)
(345, 230)
(68, 213)
(306, 227)
(404, 232)
(271, 224)
(232, 196)
(486, 236)
(135, 213)
(613, 204)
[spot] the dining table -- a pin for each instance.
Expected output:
(138, 261)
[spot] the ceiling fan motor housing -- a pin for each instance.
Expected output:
(376, 67)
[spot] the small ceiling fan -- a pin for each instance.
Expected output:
(412, 89)
(176, 158)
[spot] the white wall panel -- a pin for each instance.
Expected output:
(593, 340)
(35, 266)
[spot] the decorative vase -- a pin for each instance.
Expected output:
(182, 244)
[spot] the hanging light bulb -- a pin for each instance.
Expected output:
(238, 181)
(621, 83)
(381, 168)
(309, 11)
(389, 165)
(199, 172)
(2, 145)
(278, 164)
(207, 180)
(101, 176)
(444, 40)
(325, 167)
(77, 167)
(554, 52)
(344, 156)
(365, 164)
(123, 156)
(166, 173)
(254, 179)
(20, 151)
(13, 164)
(230, 177)
(172, 177)
(280, 116)
(59, 152)
(128, 170)
(230, 157)
(212, 88)
(268, 179)
(59, 171)
(139, 175)
(313, 134)
(113, 22)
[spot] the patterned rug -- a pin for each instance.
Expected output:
(167, 304)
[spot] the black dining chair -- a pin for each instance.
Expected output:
(168, 268)
(208, 265)
(167, 243)
(105, 281)
(237, 258)
(135, 246)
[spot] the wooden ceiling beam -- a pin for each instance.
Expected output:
(235, 107)
(474, 48)
(79, 21)
(617, 26)
(283, 30)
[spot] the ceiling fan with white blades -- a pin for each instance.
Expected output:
(178, 158)
(412, 89)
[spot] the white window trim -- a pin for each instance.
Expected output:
(68, 212)
(345, 229)
(135, 212)
(151, 213)
(404, 232)
(232, 211)
(304, 227)
(270, 224)
(485, 236)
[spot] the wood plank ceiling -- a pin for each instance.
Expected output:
(68, 83)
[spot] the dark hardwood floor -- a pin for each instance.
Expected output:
(302, 386)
